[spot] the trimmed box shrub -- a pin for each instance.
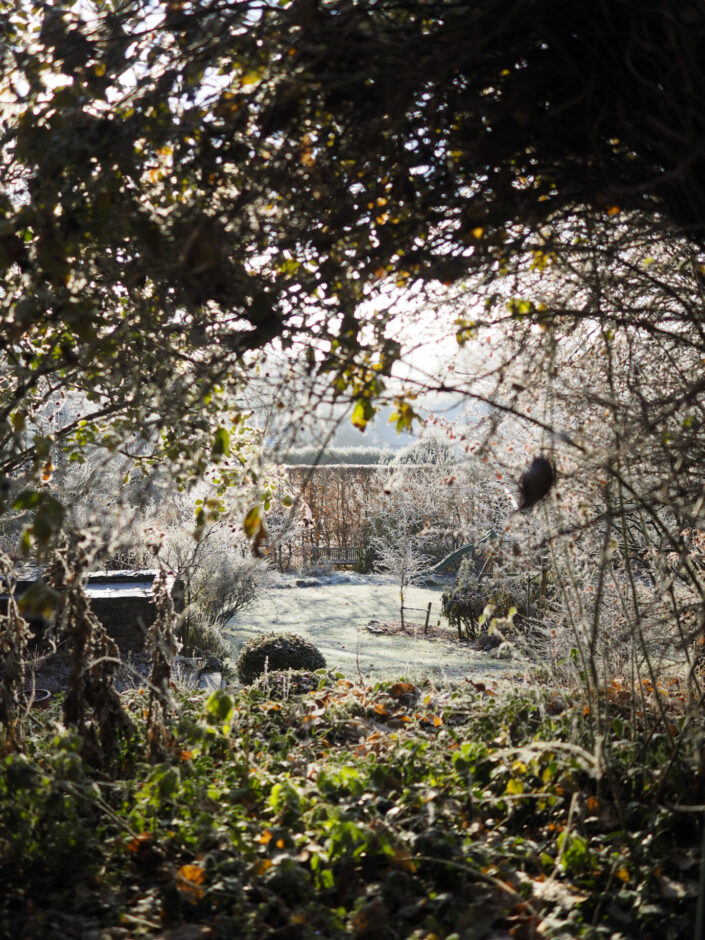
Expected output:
(274, 652)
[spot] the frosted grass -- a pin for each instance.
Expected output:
(334, 615)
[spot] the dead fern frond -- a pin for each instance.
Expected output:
(162, 646)
(91, 704)
(14, 637)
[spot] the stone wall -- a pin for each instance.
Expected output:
(126, 615)
(123, 601)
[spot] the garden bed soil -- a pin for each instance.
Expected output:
(412, 629)
(434, 633)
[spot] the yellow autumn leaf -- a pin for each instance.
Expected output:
(250, 78)
(252, 522)
(191, 877)
(194, 874)
(362, 412)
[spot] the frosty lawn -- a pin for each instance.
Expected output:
(334, 615)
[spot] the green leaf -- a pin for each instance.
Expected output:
(18, 421)
(221, 443)
(27, 499)
(39, 600)
(219, 707)
(404, 416)
(167, 782)
(48, 520)
(576, 855)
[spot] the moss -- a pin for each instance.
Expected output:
(277, 651)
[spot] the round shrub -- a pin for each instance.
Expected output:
(276, 651)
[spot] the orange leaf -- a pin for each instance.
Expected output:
(134, 845)
(192, 877)
(194, 874)
(402, 688)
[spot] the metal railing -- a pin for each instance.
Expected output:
(337, 554)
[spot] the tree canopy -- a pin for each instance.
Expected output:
(185, 184)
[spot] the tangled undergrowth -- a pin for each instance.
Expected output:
(393, 811)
